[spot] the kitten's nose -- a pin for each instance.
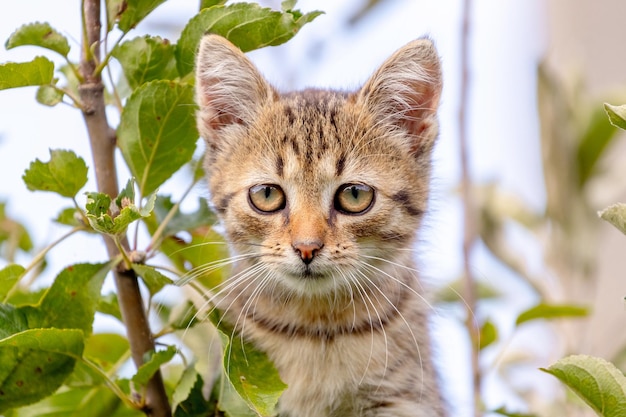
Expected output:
(307, 250)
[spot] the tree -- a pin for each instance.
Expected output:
(46, 338)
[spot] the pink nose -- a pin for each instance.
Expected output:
(307, 250)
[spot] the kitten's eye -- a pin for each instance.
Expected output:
(354, 198)
(267, 198)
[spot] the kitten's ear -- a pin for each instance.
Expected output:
(229, 88)
(405, 91)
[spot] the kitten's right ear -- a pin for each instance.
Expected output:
(229, 88)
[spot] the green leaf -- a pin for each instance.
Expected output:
(617, 115)
(34, 364)
(504, 412)
(157, 133)
(109, 305)
(260, 385)
(597, 382)
(488, 334)
(65, 174)
(189, 401)
(13, 321)
(184, 317)
(39, 34)
(182, 221)
(152, 365)
(154, 280)
(205, 4)
(9, 276)
(592, 144)
(101, 219)
(71, 301)
(247, 25)
(69, 217)
(135, 12)
(106, 349)
(146, 59)
(551, 311)
(616, 215)
(23, 74)
(13, 234)
(114, 10)
(79, 402)
(288, 5)
(49, 95)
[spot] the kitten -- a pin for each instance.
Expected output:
(321, 193)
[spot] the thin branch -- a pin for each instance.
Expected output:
(469, 235)
(102, 143)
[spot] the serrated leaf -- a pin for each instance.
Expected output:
(34, 363)
(488, 334)
(39, 34)
(260, 385)
(288, 5)
(71, 301)
(64, 174)
(157, 133)
(616, 215)
(49, 95)
(617, 115)
(39, 71)
(247, 25)
(9, 276)
(104, 221)
(135, 12)
(146, 59)
(551, 311)
(597, 382)
(154, 280)
(152, 365)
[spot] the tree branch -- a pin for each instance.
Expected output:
(102, 143)
(469, 233)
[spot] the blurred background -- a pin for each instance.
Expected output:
(543, 160)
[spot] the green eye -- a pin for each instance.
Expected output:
(354, 198)
(266, 198)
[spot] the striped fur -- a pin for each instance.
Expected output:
(346, 326)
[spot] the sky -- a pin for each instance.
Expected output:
(505, 46)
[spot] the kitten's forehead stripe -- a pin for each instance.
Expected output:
(280, 165)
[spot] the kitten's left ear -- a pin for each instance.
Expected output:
(405, 92)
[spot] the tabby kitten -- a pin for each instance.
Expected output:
(320, 194)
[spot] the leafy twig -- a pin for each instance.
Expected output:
(102, 143)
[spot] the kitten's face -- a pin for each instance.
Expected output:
(318, 191)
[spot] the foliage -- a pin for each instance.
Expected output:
(51, 362)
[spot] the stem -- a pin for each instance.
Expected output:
(469, 233)
(40, 257)
(102, 143)
(112, 385)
